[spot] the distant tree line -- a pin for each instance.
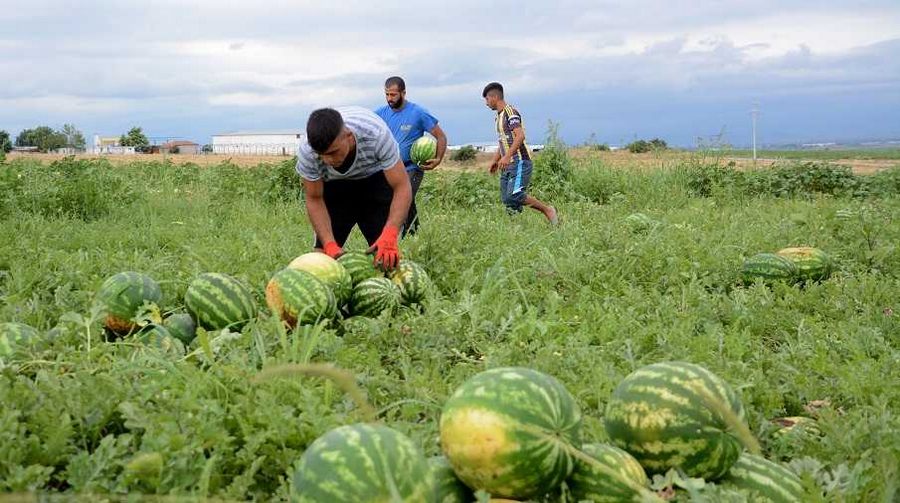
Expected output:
(47, 139)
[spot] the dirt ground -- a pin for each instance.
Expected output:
(617, 159)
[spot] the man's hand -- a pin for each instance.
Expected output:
(332, 249)
(494, 166)
(430, 164)
(387, 254)
(504, 161)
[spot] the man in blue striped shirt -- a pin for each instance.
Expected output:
(353, 175)
(513, 157)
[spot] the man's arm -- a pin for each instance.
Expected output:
(385, 248)
(316, 210)
(495, 160)
(438, 133)
(399, 181)
(518, 140)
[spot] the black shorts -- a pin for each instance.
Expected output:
(365, 202)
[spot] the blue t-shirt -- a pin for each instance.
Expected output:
(407, 125)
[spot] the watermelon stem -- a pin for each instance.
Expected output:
(344, 380)
(734, 424)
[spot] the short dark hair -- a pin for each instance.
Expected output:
(395, 81)
(493, 87)
(323, 126)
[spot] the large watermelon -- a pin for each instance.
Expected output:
(448, 488)
(297, 296)
(219, 301)
(672, 415)
(15, 335)
(614, 476)
(363, 463)
(360, 266)
(423, 149)
(181, 326)
(768, 481)
(122, 295)
(511, 432)
(812, 264)
(768, 267)
(329, 271)
(412, 281)
(373, 296)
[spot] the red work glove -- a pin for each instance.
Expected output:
(332, 249)
(387, 254)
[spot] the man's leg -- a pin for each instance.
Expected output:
(519, 195)
(412, 218)
(339, 202)
(507, 184)
(373, 205)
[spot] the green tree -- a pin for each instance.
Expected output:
(74, 137)
(134, 138)
(5, 144)
(466, 153)
(42, 137)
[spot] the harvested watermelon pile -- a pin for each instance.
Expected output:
(514, 432)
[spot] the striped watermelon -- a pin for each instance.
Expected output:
(218, 301)
(768, 267)
(373, 296)
(423, 149)
(812, 264)
(511, 432)
(448, 488)
(615, 477)
(181, 326)
(329, 271)
(796, 425)
(412, 281)
(159, 337)
(297, 296)
(363, 463)
(672, 415)
(639, 222)
(766, 480)
(123, 295)
(15, 335)
(360, 266)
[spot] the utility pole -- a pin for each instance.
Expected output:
(753, 115)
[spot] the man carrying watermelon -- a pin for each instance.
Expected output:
(353, 175)
(409, 122)
(513, 158)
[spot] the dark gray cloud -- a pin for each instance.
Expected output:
(675, 69)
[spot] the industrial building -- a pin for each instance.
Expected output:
(285, 142)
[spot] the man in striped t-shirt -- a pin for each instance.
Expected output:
(513, 158)
(353, 175)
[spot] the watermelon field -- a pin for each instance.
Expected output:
(646, 267)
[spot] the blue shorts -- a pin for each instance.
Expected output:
(514, 182)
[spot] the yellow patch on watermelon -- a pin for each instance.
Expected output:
(476, 441)
(276, 303)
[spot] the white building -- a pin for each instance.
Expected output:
(110, 145)
(257, 142)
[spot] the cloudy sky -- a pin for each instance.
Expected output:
(820, 70)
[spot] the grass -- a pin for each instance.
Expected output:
(824, 154)
(588, 302)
